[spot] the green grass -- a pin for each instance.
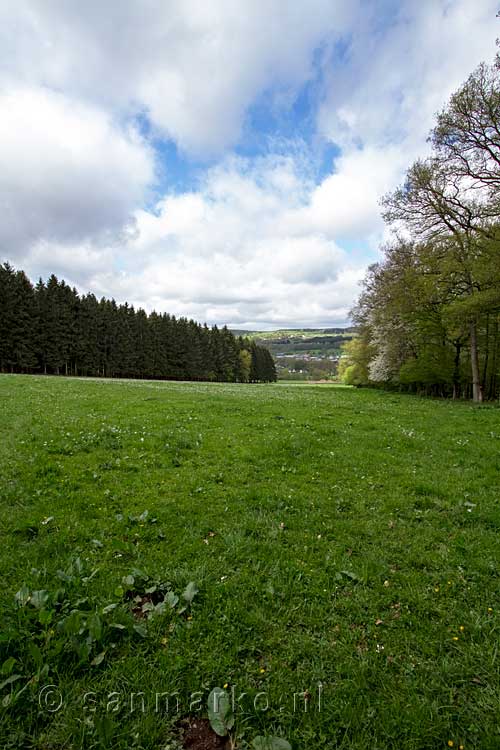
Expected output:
(337, 536)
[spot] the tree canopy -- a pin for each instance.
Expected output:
(428, 316)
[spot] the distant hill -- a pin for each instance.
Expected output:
(293, 333)
(303, 353)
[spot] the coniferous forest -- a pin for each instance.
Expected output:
(49, 328)
(429, 314)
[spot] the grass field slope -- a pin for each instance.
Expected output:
(327, 556)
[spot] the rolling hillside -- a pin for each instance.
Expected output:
(303, 353)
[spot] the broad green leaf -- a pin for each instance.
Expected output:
(220, 714)
(8, 665)
(94, 625)
(105, 729)
(35, 653)
(190, 592)
(159, 608)
(22, 597)
(10, 680)
(141, 630)
(72, 622)
(98, 659)
(171, 599)
(39, 599)
(45, 616)
(270, 743)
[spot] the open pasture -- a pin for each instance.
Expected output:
(330, 555)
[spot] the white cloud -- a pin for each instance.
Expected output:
(381, 104)
(401, 70)
(192, 65)
(67, 172)
(228, 254)
(257, 242)
(346, 203)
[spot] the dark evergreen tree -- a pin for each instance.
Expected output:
(17, 319)
(51, 329)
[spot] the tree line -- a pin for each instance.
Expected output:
(428, 315)
(49, 328)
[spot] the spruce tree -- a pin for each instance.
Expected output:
(51, 329)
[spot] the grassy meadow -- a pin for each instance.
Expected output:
(328, 556)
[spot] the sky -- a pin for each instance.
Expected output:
(220, 160)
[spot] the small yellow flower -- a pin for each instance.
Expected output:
(436, 589)
(164, 641)
(225, 685)
(460, 747)
(461, 628)
(450, 743)
(190, 618)
(449, 583)
(490, 609)
(262, 670)
(455, 638)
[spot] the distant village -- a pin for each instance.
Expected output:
(307, 354)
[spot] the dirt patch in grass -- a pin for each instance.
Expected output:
(197, 734)
(139, 599)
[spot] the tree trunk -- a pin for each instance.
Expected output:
(456, 370)
(477, 391)
(492, 386)
(486, 354)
